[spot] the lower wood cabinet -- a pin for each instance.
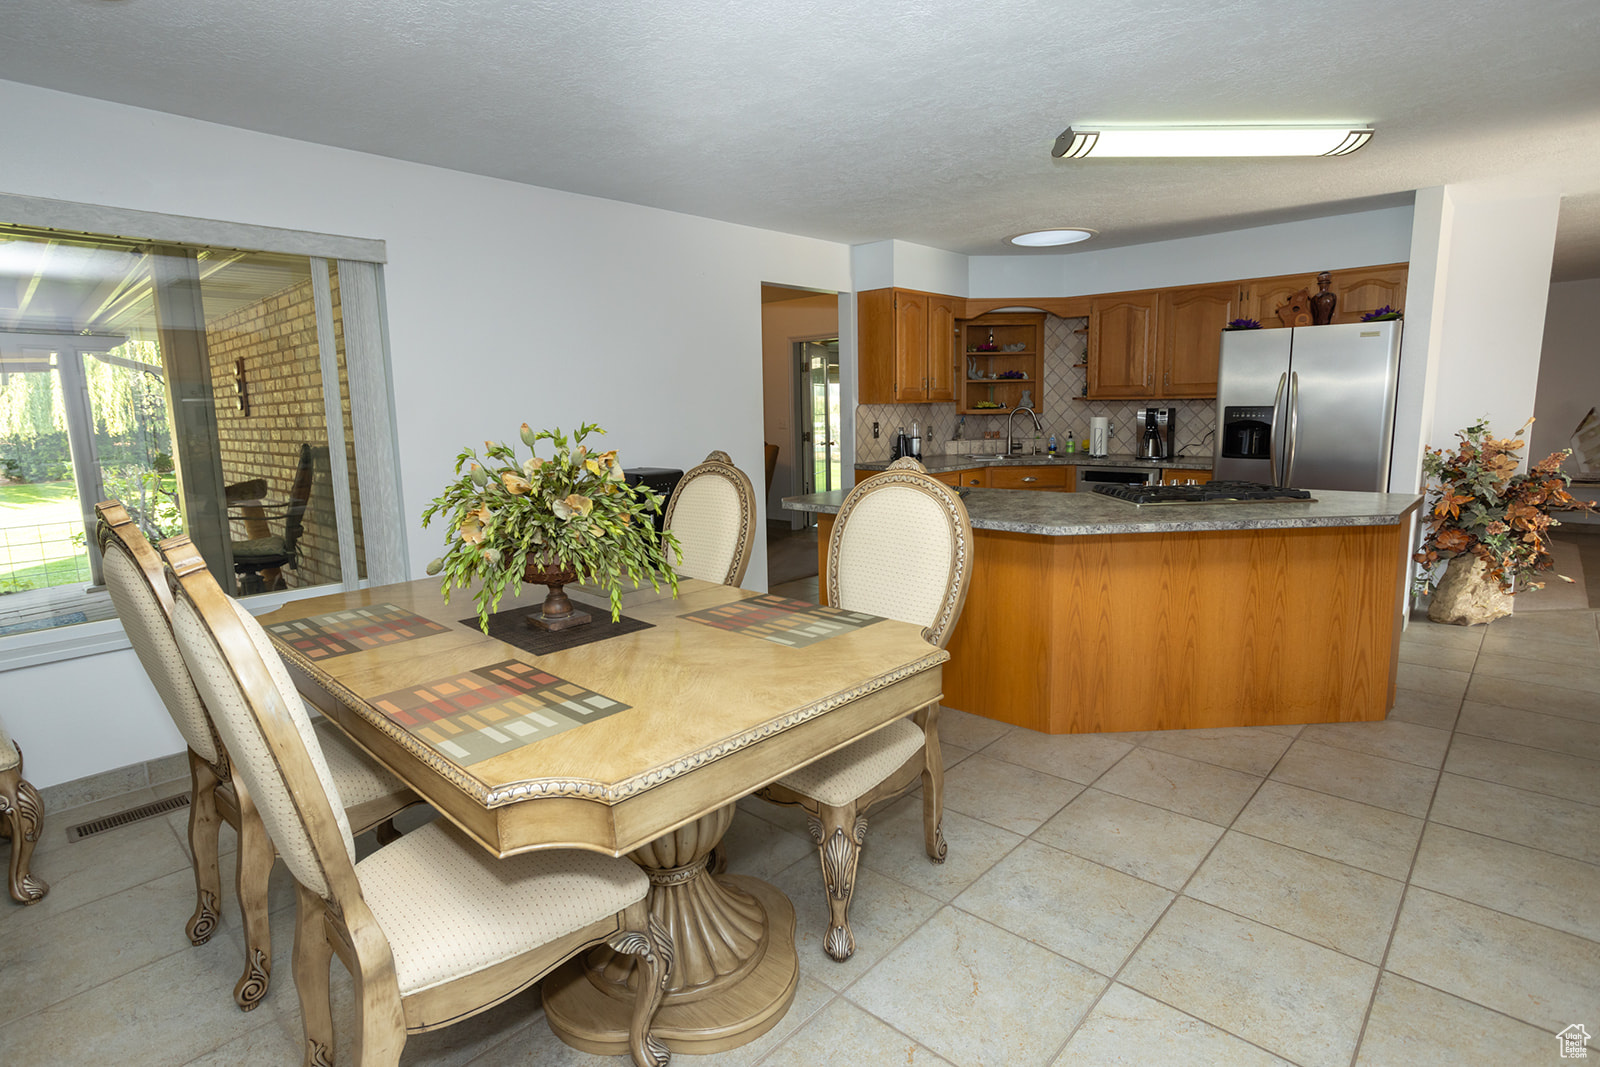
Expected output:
(1058, 478)
(973, 476)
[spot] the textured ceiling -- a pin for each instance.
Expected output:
(929, 121)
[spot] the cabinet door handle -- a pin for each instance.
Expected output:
(1030, 479)
(973, 482)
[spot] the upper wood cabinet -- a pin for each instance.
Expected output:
(1122, 340)
(1360, 290)
(905, 346)
(1189, 326)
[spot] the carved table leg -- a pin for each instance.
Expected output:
(22, 815)
(734, 966)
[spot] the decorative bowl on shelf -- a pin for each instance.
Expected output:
(987, 405)
(1012, 375)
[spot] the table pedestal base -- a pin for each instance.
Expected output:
(734, 966)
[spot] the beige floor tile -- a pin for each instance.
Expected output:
(1425, 709)
(1437, 680)
(1403, 741)
(971, 732)
(1332, 904)
(1080, 757)
(1372, 838)
(1531, 696)
(976, 994)
(1128, 1029)
(1081, 910)
(1186, 786)
(1562, 651)
(1573, 737)
(1541, 976)
(1535, 769)
(761, 849)
(1570, 627)
(843, 1033)
(894, 847)
(1005, 795)
(1402, 787)
(1420, 631)
(1454, 659)
(58, 819)
(98, 867)
(1422, 1027)
(1251, 749)
(1574, 673)
(1538, 820)
(883, 912)
(1140, 839)
(1287, 995)
(1526, 882)
(788, 817)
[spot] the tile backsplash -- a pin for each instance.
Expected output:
(1061, 409)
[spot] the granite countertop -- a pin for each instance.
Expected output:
(1029, 511)
(939, 461)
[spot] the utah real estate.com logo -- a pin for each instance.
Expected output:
(1574, 1041)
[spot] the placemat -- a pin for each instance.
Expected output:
(783, 621)
(489, 710)
(511, 627)
(340, 633)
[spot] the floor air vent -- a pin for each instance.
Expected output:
(123, 818)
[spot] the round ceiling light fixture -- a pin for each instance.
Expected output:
(1058, 235)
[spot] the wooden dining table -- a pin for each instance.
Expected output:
(636, 744)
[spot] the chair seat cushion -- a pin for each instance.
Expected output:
(258, 549)
(450, 909)
(837, 779)
(359, 778)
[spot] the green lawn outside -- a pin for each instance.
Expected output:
(38, 522)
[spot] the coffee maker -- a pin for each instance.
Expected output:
(1156, 432)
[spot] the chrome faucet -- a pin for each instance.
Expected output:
(1013, 446)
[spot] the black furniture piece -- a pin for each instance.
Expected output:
(260, 558)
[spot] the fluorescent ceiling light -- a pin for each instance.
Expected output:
(1061, 235)
(1150, 142)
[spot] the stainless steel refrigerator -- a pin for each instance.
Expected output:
(1310, 407)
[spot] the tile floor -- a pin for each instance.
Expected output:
(1420, 890)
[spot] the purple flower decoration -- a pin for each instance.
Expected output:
(1243, 324)
(1383, 314)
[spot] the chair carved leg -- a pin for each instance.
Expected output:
(652, 948)
(256, 856)
(839, 834)
(22, 813)
(312, 956)
(932, 785)
(204, 825)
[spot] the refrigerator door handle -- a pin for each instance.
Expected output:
(1272, 434)
(1293, 438)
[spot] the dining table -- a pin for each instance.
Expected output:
(631, 738)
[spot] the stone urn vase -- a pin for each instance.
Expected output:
(557, 612)
(1465, 597)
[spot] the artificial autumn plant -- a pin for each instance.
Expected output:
(1481, 505)
(574, 510)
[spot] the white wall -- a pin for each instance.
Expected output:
(1569, 366)
(507, 303)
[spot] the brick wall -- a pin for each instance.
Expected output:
(277, 340)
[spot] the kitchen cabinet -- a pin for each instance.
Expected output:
(1177, 477)
(1360, 290)
(1122, 340)
(970, 477)
(1055, 477)
(993, 346)
(906, 347)
(1189, 324)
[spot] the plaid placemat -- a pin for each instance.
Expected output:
(782, 621)
(511, 627)
(481, 713)
(340, 633)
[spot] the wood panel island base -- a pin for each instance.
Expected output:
(1089, 615)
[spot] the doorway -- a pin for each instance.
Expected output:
(816, 397)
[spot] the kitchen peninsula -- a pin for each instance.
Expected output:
(1088, 614)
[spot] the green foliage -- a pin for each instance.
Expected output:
(1481, 505)
(574, 510)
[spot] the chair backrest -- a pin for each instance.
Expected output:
(263, 723)
(712, 513)
(299, 499)
(135, 578)
(902, 548)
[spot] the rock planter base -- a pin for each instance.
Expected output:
(1464, 597)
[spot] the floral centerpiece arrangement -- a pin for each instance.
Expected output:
(1482, 510)
(1242, 324)
(1384, 314)
(573, 513)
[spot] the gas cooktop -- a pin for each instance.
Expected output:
(1209, 493)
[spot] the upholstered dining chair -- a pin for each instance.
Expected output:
(433, 928)
(712, 513)
(901, 548)
(21, 819)
(134, 577)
